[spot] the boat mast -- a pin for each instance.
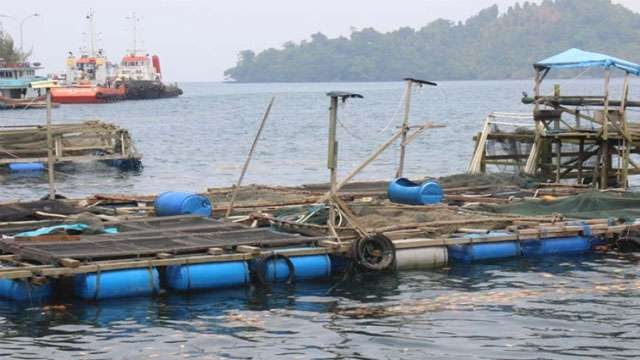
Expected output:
(92, 34)
(134, 20)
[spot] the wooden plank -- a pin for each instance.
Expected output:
(143, 263)
(247, 249)
(215, 251)
(68, 262)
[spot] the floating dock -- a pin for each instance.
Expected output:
(24, 147)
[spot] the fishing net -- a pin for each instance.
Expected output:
(588, 205)
(517, 149)
(495, 180)
(26, 210)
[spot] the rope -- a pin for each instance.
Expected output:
(393, 117)
(152, 284)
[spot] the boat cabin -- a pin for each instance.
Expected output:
(139, 67)
(15, 80)
(88, 70)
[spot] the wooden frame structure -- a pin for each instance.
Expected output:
(71, 142)
(562, 146)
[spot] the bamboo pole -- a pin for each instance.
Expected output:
(371, 158)
(249, 156)
(475, 166)
(50, 157)
(532, 161)
(405, 126)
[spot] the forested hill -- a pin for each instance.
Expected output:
(489, 45)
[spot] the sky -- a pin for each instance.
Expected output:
(198, 39)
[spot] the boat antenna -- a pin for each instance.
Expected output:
(134, 20)
(92, 34)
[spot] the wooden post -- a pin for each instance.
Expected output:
(558, 159)
(332, 157)
(580, 160)
(405, 126)
(249, 156)
(50, 157)
(604, 170)
(556, 93)
(626, 148)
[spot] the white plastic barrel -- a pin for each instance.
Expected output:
(421, 258)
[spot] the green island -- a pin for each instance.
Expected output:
(490, 45)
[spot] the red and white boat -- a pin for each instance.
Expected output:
(89, 78)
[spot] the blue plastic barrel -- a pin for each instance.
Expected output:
(25, 167)
(305, 267)
(557, 246)
(485, 251)
(207, 276)
(24, 291)
(116, 284)
(181, 203)
(405, 191)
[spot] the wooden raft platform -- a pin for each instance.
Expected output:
(147, 242)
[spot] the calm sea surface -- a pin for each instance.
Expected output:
(563, 308)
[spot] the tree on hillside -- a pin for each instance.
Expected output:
(7, 49)
(489, 45)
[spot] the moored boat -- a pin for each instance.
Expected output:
(89, 77)
(15, 86)
(141, 74)
(142, 77)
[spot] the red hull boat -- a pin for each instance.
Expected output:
(87, 94)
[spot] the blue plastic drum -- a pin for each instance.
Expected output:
(182, 203)
(305, 267)
(26, 167)
(24, 291)
(405, 191)
(207, 276)
(117, 284)
(557, 246)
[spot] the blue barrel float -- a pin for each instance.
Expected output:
(117, 284)
(557, 246)
(305, 267)
(26, 167)
(207, 276)
(24, 291)
(182, 203)
(485, 251)
(405, 191)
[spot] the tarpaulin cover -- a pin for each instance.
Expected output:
(68, 229)
(576, 58)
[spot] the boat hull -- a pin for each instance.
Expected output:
(87, 94)
(142, 89)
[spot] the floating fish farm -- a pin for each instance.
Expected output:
(114, 246)
(187, 250)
